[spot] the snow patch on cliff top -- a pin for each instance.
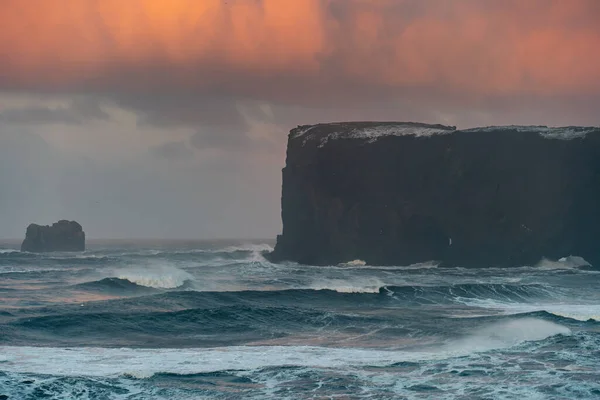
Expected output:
(301, 130)
(365, 130)
(371, 131)
(390, 130)
(563, 133)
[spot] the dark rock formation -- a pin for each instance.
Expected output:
(61, 236)
(402, 193)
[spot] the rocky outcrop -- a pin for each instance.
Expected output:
(402, 193)
(61, 236)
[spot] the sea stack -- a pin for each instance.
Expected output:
(402, 193)
(61, 236)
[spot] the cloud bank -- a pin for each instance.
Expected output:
(538, 46)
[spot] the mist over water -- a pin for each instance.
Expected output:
(194, 320)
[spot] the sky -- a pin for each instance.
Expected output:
(169, 118)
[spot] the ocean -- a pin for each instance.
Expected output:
(215, 320)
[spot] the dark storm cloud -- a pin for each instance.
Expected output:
(220, 139)
(174, 151)
(78, 112)
(181, 109)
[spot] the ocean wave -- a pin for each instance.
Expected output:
(155, 276)
(303, 371)
(9, 251)
(470, 293)
(214, 320)
(577, 312)
(204, 327)
(145, 363)
(360, 265)
(507, 333)
(107, 362)
(481, 295)
(112, 284)
(15, 255)
(262, 247)
(7, 270)
(357, 285)
(571, 262)
(229, 251)
(59, 259)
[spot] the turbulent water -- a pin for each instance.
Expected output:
(217, 321)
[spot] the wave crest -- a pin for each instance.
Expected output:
(508, 333)
(362, 285)
(158, 277)
(570, 262)
(156, 281)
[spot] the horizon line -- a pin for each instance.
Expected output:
(154, 239)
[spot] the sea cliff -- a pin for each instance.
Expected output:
(402, 193)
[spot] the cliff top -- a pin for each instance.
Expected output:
(375, 130)
(63, 223)
(564, 132)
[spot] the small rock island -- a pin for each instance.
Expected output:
(393, 193)
(61, 236)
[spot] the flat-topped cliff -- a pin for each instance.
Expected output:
(61, 236)
(402, 193)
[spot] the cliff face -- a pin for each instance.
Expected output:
(61, 236)
(402, 193)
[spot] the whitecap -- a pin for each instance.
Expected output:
(506, 334)
(9, 251)
(251, 247)
(354, 285)
(354, 263)
(155, 276)
(570, 262)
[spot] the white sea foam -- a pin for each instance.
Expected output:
(256, 252)
(354, 263)
(350, 285)
(9, 251)
(253, 247)
(569, 262)
(146, 362)
(155, 276)
(25, 270)
(417, 266)
(358, 265)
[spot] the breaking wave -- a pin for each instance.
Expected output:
(155, 276)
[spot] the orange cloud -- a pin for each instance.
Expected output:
(81, 39)
(537, 46)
